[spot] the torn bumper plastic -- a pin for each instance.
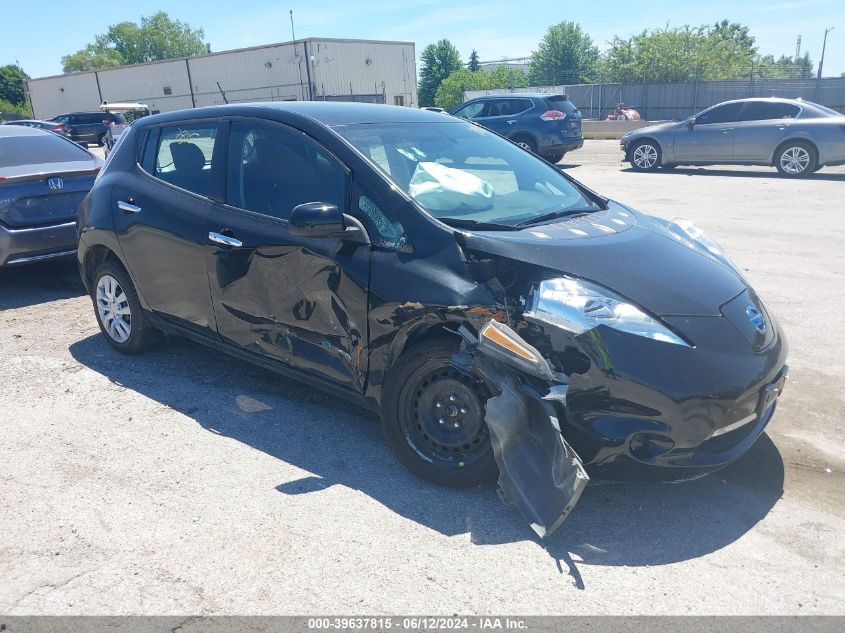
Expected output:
(539, 472)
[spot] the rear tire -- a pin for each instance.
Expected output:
(101, 139)
(432, 416)
(555, 158)
(525, 142)
(645, 156)
(795, 159)
(120, 316)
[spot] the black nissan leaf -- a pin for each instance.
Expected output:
(504, 320)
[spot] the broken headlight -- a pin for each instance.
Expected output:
(576, 306)
(501, 342)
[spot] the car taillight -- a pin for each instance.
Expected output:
(107, 122)
(57, 128)
(553, 115)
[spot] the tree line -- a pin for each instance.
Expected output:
(567, 55)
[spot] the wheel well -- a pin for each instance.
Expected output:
(795, 140)
(95, 256)
(524, 135)
(426, 333)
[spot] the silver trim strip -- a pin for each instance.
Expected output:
(48, 227)
(735, 425)
(38, 258)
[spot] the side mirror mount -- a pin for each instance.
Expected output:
(316, 219)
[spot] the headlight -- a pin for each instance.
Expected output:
(695, 238)
(577, 306)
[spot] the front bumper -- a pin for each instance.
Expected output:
(26, 245)
(651, 410)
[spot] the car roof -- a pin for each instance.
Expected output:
(530, 95)
(22, 130)
(328, 113)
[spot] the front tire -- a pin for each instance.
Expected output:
(796, 159)
(433, 417)
(119, 314)
(645, 156)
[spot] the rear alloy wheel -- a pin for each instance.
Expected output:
(796, 159)
(433, 417)
(645, 156)
(119, 313)
(526, 143)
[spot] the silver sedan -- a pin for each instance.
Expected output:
(797, 137)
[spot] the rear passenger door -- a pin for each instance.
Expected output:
(761, 127)
(161, 211)
(298, 300)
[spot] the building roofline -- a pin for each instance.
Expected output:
(216, 53)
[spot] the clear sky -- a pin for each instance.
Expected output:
(37, 35)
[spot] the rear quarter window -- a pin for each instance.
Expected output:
(562, 104)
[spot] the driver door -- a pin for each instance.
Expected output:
(710, 138)
(298, 300)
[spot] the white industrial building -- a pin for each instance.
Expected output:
(303, 70)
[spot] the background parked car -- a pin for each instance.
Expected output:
(49, 126)
(88, 127)
(130, 111)
(797, 137)
(43, 180)
(545, 124)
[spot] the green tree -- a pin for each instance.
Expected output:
(681, 54)
(158, 36)
(473, 65)
(565, 55)
(450, 94)
(12, 79)
(439, 60)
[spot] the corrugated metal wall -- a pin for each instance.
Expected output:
(307, 69)
(680, 100)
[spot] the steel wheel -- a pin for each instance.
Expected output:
(443, 420)
(795, 160)
(113, 309)
(645, 156)
(524, 145)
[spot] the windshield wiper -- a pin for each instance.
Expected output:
(459, 223)
(554, 215)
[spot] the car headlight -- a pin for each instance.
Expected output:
(695, 238)
(576, 306)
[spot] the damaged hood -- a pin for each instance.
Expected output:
(626, 252)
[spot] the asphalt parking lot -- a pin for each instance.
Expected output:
(186, 482)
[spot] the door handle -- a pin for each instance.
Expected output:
(512, 121)
(128, 207)
(725, 130)
(225, 240)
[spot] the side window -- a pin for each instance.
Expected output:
(499, 107)
(272, 169)
(385, 230)
(727, 113)
(181, 155)
(760, 111)
(790, 111)
(471, 110)
(89, 119)
(518, 106)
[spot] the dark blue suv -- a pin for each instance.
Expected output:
(545, 124)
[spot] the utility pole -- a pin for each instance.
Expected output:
(821, 61)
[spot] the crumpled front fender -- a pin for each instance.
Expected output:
(539, 472)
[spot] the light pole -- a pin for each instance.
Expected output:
(824, 45)
(821, 62)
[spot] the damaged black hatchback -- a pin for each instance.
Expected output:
(505, 321)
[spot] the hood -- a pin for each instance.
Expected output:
(626, 252)
(651, 129)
